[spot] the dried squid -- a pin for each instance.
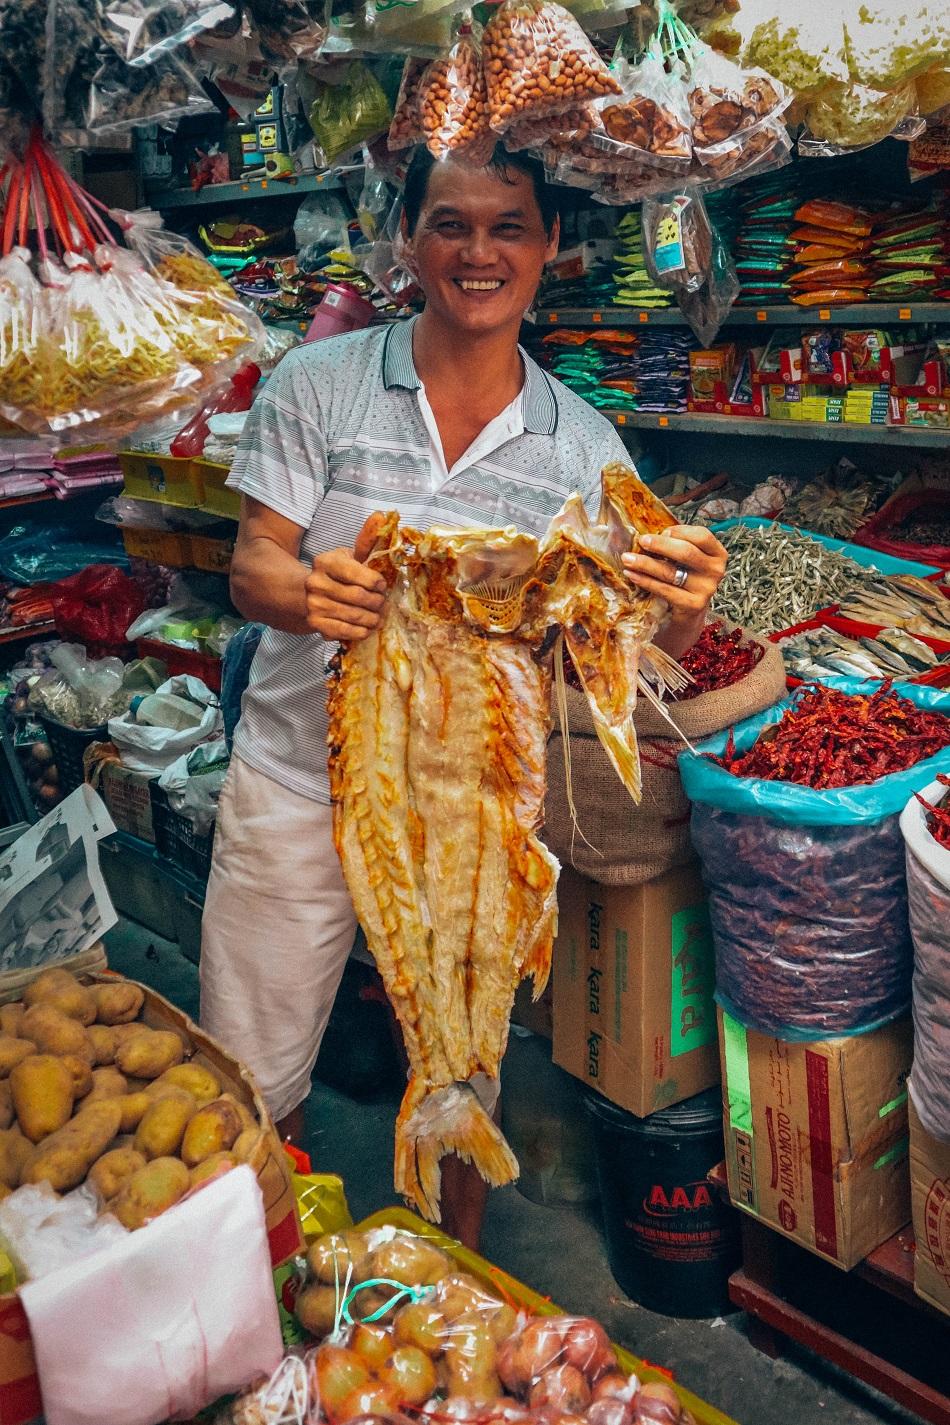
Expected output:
(438, 729)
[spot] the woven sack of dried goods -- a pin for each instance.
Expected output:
(616, 841)
(807, 883)
(928, 899)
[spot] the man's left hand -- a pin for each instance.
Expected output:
(684, 566)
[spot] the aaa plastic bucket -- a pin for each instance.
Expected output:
(672, 1242)
(342, 310)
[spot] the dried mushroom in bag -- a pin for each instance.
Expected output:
(650, 115)
(727, 104)
(290, 29)
(122, 96)
(140, 31)
(453, 104)
(539, 63)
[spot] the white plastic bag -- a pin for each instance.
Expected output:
(152, 749)
(193, 783)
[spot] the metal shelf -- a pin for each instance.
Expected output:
(242, 191)
(27, 630)
(784, 430)
(872, 313)
(37, 497)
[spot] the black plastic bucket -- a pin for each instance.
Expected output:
(672, 1242)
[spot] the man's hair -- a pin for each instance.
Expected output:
(502, 163)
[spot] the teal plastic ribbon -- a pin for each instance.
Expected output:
(407, 1295)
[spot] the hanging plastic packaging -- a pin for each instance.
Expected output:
(237, 396)
(845, 117)
(735, 113)
(453, 103)
(406, 127)
(928, 896)
(813, 939)
(649, 120)
(684, 253)
(140, 31)
(888, 45)
(539, 63)
(349, 111)
(121, 97)
(290, 30)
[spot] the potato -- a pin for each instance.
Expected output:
(10, 1017)
(201, 1083)
(149, 1054)
(315, 1308)
(246, 1144)
(134, 1108)
(42, 1095)
(103, 1040)
(331, 1256)
(81, 1072)
(244, 1113)
(12, 1051)
(123, 1032)
(150, 1191)
(163, 1125)
(113, 1170)
(6, 1103)
(211, 1167)
(212, 1130)
(55, 1033)
(119, 1003)
(108, 1083)
(64, 1159)
(15, 1153)
(409, 1259)
(64, 992)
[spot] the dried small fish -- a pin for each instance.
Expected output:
(818, 652)
(901, 602)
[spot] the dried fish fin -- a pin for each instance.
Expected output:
(450, 1120)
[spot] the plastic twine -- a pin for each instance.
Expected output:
(409, 1295)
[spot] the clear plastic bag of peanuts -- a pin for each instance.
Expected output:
(406, 127)
(539, 63)
(569, 130)
(453, 102)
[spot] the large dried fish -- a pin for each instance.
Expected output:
(438, 727)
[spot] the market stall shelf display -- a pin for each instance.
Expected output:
(878, 313)
(921, 436)
(244, 190)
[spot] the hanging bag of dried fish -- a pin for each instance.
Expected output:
(616, 841)
(914, 526)
(928, 897)
(808, 893)
(539, 63)
(453, 103)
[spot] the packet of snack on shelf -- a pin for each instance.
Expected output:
(539, 63)
(453, 103)
(406, 127)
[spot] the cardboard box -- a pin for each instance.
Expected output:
(930, 1200)
(816, 1135)
(536, 1015)
(126, 794)
(633, 981)
(20, 1400)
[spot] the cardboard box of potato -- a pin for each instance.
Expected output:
(20, 1400)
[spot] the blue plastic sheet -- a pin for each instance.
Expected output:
(794, 805)
(42, 553)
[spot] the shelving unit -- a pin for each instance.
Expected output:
(28, 631)
(244, 190)
(867, 313)
(844, 434)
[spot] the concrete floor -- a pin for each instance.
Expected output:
(558, 1251)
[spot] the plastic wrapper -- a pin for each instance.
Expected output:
(406, 127)
(852, 116)
(803, 46)
(650, 116)
(928, 896)
(347, 112)
(141, 30)
(815, 941)
(145, 748)
(193, 783)
(685, 254)
(539, 62)
(888, 44)
(762, 150)
(421, 28)
(728, 106)
(21, 375)
(453, 104)
(290, 30)
(121, 96)
(80, 690)
(933, 89)
(566, 135)
(42, 1232)
(96, 607)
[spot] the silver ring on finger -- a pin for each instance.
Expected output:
(680, 577)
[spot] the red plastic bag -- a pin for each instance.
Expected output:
(95, 607)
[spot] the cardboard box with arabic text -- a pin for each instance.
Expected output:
(816, 1135)
(930, 1200)
(633, 983)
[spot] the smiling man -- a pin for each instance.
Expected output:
(446, 420)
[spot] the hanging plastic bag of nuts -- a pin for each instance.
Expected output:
(570, 132)
(539, 63)
(406, 127)
(453, 103)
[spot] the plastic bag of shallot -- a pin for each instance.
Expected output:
(928, 897)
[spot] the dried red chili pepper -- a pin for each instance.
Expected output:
(938, 822)
(832, 739)
(717, 659)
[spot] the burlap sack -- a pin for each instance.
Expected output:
(631, 844)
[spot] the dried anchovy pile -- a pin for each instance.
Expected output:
(775, 579)
(832, 739)
(938, 821)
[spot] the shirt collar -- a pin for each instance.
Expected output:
(399, 369)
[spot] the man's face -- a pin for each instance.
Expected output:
(480, 246)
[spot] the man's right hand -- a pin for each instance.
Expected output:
(344, 597)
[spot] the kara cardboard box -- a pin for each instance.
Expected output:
(930, 1199)
(633, 983)
(816, 1135)
(126, 794)
(20, 1399)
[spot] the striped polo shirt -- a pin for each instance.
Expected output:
(337, 432)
